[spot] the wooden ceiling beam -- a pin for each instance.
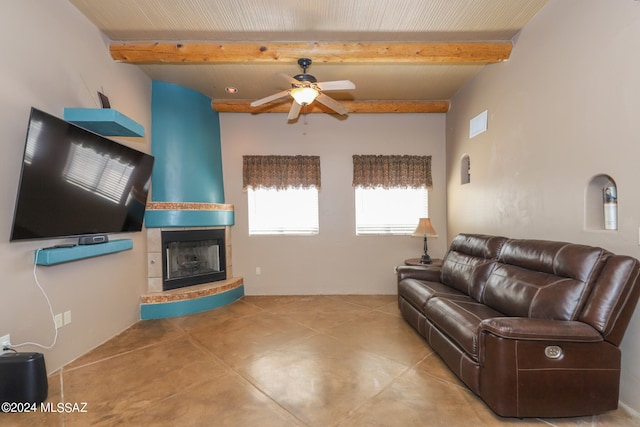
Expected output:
(243, 106)
(172, 52)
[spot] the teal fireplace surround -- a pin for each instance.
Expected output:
(185, 132)
(188, 168)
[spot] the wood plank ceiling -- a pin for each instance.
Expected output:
(402, 55)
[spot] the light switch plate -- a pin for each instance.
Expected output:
(59, 322)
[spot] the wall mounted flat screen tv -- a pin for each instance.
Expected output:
(74, 182)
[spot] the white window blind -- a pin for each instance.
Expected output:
(389, 211)
(290, 211)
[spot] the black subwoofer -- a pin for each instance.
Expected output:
(23, 378)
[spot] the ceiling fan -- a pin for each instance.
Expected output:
(305, 89)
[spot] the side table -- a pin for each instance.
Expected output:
(435, 262)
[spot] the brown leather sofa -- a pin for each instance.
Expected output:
(532, 327)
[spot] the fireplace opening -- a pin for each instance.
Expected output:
(192, 257)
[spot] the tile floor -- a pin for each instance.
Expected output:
(273, 361)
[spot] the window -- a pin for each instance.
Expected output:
(389, 211)
(290, 211)
(391, 193)
(282, 194)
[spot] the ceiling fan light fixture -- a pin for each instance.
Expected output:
(304, 95)
(305, 89)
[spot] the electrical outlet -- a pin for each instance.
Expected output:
(59, 321)
(67, 317)
(5, 341)
(258, 271)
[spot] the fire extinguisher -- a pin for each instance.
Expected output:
(610, 198)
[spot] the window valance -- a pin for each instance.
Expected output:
(280, 172)
(374, 171)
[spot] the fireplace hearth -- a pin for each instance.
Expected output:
(192, 257)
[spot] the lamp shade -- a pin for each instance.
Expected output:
(425, 228)
(304, 95)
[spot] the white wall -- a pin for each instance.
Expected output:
(563, 109)
(52, 57)
(335, 261)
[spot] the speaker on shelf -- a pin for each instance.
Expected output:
(93, 239)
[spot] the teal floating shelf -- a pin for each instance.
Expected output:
(58, 255)
(103, 121)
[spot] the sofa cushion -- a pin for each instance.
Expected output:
(459, 320)
(542, 279)
(478, 245)
(469, 261)
(579, 262)
(418, 292)
(613, 300)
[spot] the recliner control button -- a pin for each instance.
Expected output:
(553, 352)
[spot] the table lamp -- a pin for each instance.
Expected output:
(425, 229)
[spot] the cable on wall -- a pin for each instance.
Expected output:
(53, 319)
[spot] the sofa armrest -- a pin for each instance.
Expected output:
(546, 368)
(540, 329)
(429, 273)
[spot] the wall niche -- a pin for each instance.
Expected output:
(601, 204)
(465, 169)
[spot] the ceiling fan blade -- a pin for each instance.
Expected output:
(332, 103)
(289, 79)
(294, 112)
(337, 85)
(270, 98)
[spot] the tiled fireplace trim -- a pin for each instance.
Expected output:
(192, 292)
(154, 256)
(188, 214)
(158, 304)
(178, 216)
(183, 206)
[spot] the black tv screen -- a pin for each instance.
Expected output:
(75, 182)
